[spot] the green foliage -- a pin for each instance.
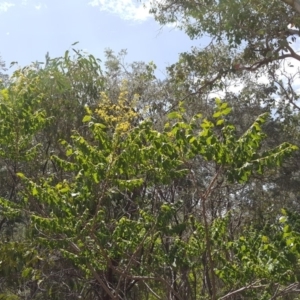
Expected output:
(237, 21)
(19, 122)
(99, 218)
(100, 201)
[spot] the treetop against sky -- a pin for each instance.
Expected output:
(29, 29)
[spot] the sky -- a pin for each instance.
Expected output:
(31, 28)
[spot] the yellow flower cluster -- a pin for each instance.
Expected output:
(4, 94)
(119, 115)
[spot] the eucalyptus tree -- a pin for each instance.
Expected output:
(250, 60)
(256, 37)
(152, 91)
(261, 31)
(3, 76)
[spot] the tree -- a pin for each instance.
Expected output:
(263, 27)
(249, 62)
(126, 204)
(116, 225)
(3, 77)
(246, 36)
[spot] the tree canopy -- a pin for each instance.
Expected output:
(247, 39)
(117, 185)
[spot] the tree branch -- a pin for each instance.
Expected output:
(292, 288)
(244, 288)
(295, 4)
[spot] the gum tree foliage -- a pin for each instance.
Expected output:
(66, 84)
(3, 76)
(258, 32)
(39, 106)
(122, 211)
(20, 123)
(248, 41)
(155, 94)
(249, 58)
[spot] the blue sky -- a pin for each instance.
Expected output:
(30, 28)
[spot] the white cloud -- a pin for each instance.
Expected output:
(126, 9)
(4, 6)
(40, 6)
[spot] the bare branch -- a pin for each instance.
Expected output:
(100, 281)
(244, 288)
(151, 291)
(292, 288)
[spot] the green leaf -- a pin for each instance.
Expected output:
(86, 118)
(174, 115)
(224, 105)
(282, 219)
(69, 152)
(34, 191)
(286, 229)
(220, 122)
(226, 111)
(218, 101)
(26, 273)
(217, 114)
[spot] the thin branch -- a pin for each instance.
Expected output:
(132, 258)
(292, 288)
(103, 285)
(293, 53)
(151, 291)
(244, 288)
